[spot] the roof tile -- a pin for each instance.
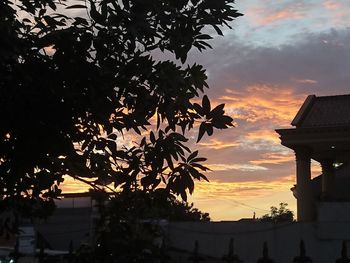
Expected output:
(328, 111)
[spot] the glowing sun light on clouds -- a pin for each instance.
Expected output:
(262, 102)
(277, 54)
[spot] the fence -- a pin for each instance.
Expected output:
(171, 254)
(232, 257)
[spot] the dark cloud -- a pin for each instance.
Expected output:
(263, 88)
(324, 59)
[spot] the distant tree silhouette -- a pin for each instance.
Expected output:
(277, 215)
(130, 226)
(73, 82)
(152, 206)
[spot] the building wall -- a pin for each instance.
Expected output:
(72, 221)
(283, 240)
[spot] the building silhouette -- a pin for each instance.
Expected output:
(321, 132)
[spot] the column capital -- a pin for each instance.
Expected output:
(303, 153)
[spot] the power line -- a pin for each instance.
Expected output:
(246, 205)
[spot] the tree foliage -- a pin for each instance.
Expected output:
(75, 77)
(132, 226)
(279, 215)
(136, 205)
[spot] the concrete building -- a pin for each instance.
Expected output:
(71, 225)
(72, 222)
(321, 133)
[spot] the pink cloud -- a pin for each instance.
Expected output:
(217, 144)
(239, 167)
(274, 158)
(263, 102)
(338, 12)
(262, 16)
(280, 15)
(306, 81)
(331, 5)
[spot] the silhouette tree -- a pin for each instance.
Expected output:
(76, 79)
(278, 215)
(132, 225)
(151, 206)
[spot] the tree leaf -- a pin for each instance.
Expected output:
(183, 195)
(199, 159)
(197, 165)
(152, 137)
(209, 129)
(217, 111)
(198, 109)
(100, 78)
(206, 104)
(204, 36)
(192, 155)
(217, 29)
(202, 130)
(76, 7)
(190, 184)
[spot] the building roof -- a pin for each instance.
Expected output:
(325, 111)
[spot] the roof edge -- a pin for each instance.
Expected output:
(303, 110)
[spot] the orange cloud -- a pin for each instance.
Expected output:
(267, 16)
(239, 167)
(231, 201)
(228, 200)
(71, 185)
(331, 5)
(280, 15)
(246, 190)
(217, 144)
(263, 102)
(259, 109)
(266, 135)
(274, 158)
(316, 169)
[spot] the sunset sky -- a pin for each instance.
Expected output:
(278, 53)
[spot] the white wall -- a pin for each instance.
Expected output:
(74, 202)
(283, 240)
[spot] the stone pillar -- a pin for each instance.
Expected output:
(327, 178)
(305, 202)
